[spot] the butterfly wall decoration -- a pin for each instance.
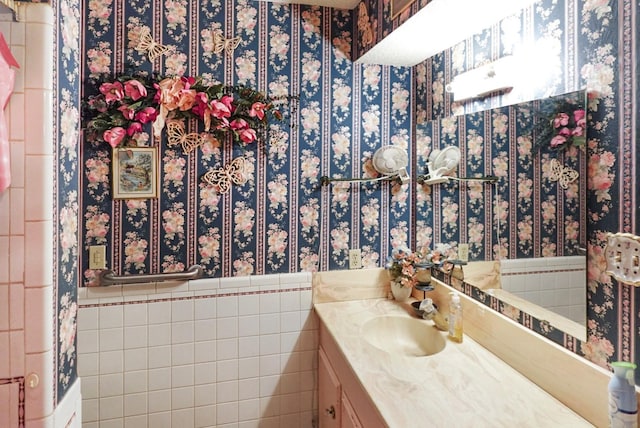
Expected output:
(176, 135)
(222, 178)
(220, 43)
(149, 46)
(564, 175)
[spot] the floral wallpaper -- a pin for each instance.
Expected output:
(281, 219)
(570, 45)
(66, 212)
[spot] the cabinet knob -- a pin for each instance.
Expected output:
(331, 411)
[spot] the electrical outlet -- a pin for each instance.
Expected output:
(463, 252)
(97, 257)
(355, 258)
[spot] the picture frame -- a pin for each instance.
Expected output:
(135, 173)
(399, 6)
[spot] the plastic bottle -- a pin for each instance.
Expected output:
(455, 318)
(623, 407)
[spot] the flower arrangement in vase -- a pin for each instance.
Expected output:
(403, 268)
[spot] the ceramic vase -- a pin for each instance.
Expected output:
(400, 293)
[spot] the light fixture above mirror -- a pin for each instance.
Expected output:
(438, 26)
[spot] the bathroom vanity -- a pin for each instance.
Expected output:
(363, 385)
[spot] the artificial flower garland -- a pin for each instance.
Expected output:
(126, 104)
(561, 126)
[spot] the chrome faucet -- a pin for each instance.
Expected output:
(430, 312)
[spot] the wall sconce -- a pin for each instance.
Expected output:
(496, 76)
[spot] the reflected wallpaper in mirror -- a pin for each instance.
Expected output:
(533, 219)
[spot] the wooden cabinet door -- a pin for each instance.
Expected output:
(349, 416)
(328, 393)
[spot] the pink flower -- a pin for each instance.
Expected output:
(134, 128)
(562, 119)
(238, 124)
(257, 110)
(558, 140)
(247, 135)
(580, 118)
(565, 132)
(127, 112)
(227, 100)
(112, 91)
(577, 132)
(134, 89)
(146, 115)
(114, 136)
(202, 109)
(219, 109)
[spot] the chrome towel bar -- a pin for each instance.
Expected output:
(108, 277)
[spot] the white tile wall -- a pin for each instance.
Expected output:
(556, 283)
(231, 352)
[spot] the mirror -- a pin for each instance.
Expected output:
(529, 227)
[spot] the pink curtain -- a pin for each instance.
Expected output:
(7, 78)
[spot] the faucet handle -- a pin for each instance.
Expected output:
(427, 306)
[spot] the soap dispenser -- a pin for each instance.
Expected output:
(455, 318)
(623, 405)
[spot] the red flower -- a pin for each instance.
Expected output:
(127, 112)
(112, 91)
(219, 109)
(134, 128)
(114, 136)
(238, 124)
(146, 115)
(134, 89)
(247, 135)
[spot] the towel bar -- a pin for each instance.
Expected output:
(108, 277)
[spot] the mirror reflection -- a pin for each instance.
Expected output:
(529, 227)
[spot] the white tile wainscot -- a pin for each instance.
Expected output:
(555, 283)
(235, 352)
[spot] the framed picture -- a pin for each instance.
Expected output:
(135, 173)
(398, 6)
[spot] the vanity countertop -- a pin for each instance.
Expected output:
(464, 385)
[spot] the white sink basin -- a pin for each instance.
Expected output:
(404, 336)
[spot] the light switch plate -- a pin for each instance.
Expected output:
(623, 257)
(98, 257)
